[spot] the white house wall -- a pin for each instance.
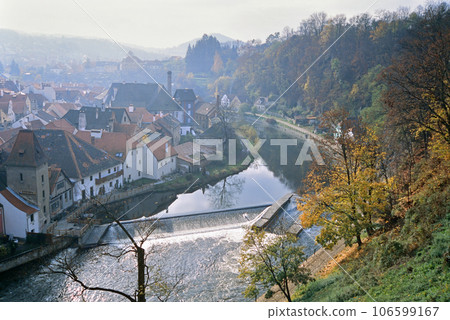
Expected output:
(140, 165)
(90, 182)
(17, 224)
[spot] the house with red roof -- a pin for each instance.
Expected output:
(17, 216)
(149, 155)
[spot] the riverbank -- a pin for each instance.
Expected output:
(57, 244)
(308, 133)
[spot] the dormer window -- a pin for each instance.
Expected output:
(21, 177)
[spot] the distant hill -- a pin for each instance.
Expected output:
(41, 49)
(32, 49)
(181, 49)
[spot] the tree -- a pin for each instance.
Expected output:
(217, 66)
(14, 69)
(226, 116)
(418, 81)
(349, 192)
(149, 277)
(267, 262)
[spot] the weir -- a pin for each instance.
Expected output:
(167, 224)
(281, 215)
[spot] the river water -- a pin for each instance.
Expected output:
(203, 249)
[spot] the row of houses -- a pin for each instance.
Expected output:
(62, 153)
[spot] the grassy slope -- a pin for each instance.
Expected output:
(407, 263)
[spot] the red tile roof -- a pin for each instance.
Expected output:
(115, 143)
(158, 148)
(18, 202)
(61, 124)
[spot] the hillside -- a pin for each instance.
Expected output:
(410, 262)
(35, 49)
(381, 94)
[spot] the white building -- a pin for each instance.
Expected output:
(149, 158)
(17, 216)
(101, 182)
(91, 170)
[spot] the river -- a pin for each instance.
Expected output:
(205, 251)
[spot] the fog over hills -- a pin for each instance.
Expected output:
(32, 49)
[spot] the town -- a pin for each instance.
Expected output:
(143, 161)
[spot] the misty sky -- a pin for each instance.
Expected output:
(165, 23)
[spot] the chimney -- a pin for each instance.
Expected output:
(217, 100)
(96, 113)
(82, 121)
(167, 148)
(169, 82)
(131, 108)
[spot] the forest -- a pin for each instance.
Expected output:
(380, 87)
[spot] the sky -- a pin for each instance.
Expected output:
(167, 23)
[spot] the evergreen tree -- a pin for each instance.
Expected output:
(14, 69)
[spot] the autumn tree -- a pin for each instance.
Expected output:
(267, 262)
(217, 66)
(349, 192)
(418, 81)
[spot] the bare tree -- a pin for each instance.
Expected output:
(226, 116)
(150, 278)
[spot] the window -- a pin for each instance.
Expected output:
(99, 175)
(70, 194)
(109, 170)
(65, 195)
(92, 191)
(91, 178)
(115, 169)
(45, 209)
(139, 173)
(32, 218)
(42, 178)
(82, 181)
(43, 193)
(110, 183)
(21, 177)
